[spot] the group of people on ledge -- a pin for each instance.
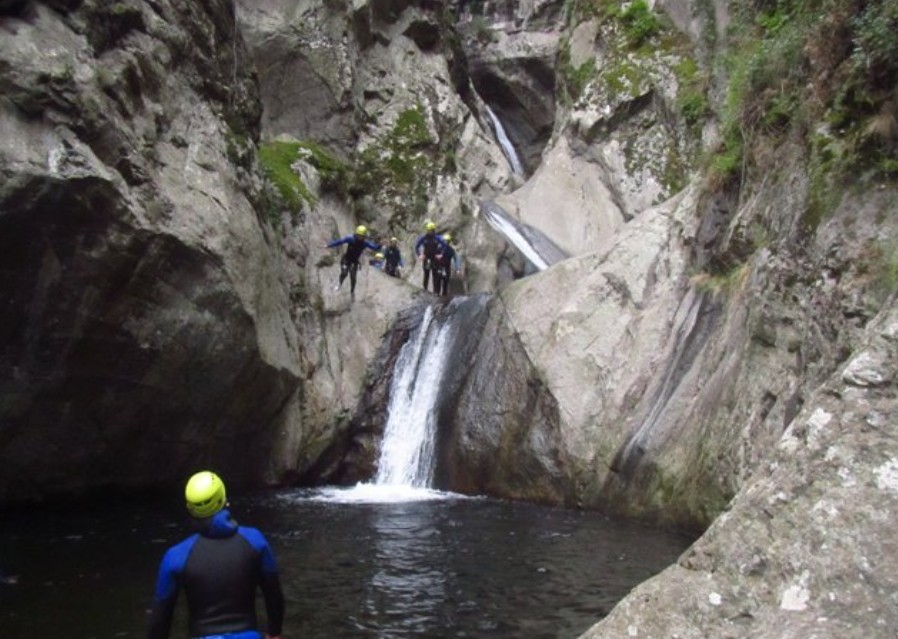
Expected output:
(436, 253)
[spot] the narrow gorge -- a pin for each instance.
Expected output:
(680, 243)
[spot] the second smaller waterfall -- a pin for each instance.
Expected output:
(507, 147)
(538, 249)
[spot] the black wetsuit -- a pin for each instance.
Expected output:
(349, 263)
(392, 261)
(431, 244)
(447, 258)
(219, 569)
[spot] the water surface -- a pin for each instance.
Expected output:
(365, 563)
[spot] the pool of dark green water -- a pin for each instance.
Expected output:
(444, 567)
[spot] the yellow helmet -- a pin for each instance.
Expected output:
(379, 256)
(430, 226)
(361, 230)
(205, 493)
(447, 237)
(394, 239)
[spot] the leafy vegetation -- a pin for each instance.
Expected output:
(278, 159)
(399, 165)
(692, 96)
(640, 23)
(722, 283)
(639, 53)
(819, 71)
(574, 79)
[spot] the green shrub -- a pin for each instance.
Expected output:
(691, 97)
(399, 165)
(640, 22)
(875, 53)
(277, 159)
(798, 66)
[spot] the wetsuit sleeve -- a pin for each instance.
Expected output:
(371, 245)
(418, 245)
(167, 585)
(342, 240)
(161, 616)
(270, 581)
(274, 602)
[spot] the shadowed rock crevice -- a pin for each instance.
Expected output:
(117, 340)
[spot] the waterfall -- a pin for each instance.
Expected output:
(507, 147)
(536, 247)
(430, 369)
(511, 232)
(409, 443)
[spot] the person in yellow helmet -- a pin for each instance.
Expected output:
(447, 261)
(427, 248)
(393, 258)
(349, 263)
(219, 567)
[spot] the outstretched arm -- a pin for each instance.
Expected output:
(335, 243)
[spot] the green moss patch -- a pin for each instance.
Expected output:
(278, 158)
(400, 166)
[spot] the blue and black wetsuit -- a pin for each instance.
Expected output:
(429, 245)
(219, 569)
(349, 263)
(447, 260)
(392, 261)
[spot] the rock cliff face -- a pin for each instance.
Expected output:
(703, 352)
(805, 548)
(144, 328)
(715, 354)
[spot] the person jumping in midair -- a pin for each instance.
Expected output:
(426, 249)
(349, 263)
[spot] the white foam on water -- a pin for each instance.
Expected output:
(365, 493)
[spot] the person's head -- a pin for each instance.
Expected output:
(394, 241)
(205, 495)
(430, 228)
(447, 238)
(361, 230)
(378, 256)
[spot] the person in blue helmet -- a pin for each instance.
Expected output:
(220, 567)
(427, 248)
(349, 263)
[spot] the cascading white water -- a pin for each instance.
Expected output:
(409, 443)
(406, 466)
(511, 232)
(507, 147)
